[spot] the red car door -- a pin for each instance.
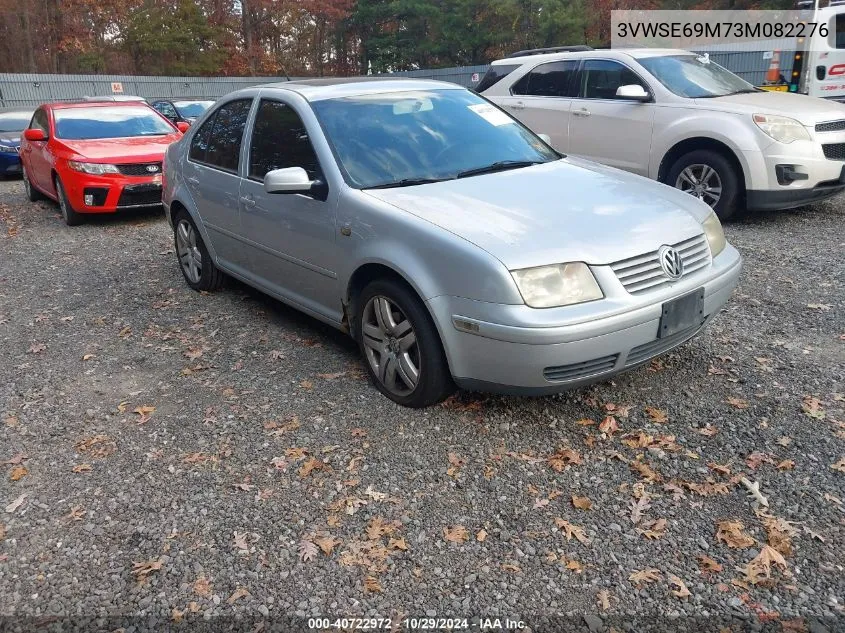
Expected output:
(37, 160)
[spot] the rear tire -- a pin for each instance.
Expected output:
(401, 346)
(32, 194)
(199, 271)
(709, 176)
(71, 217)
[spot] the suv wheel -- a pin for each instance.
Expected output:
(194, 260)
(32, 194)
(400, 344)
(71, 217)
(710, 177)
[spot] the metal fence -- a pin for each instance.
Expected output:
(31, 90)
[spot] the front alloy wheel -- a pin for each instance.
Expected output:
(701, 181)
(390, 345)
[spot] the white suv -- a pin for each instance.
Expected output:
(678, 118)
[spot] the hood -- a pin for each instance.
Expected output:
(566, 210)
(135, 149)
(10, 138)
(807, 110)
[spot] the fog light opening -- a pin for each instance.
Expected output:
(89, 200)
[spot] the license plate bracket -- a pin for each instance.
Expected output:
(682, 313)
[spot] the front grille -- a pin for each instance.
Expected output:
(643, 273)
(834, 151)
(653, 348)
(830, 126)
(139, 169)
(140, 195)
(585, 369)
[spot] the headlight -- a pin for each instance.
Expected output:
(5, 149)
(714, 234)
(781, 128)
(557, 285)
(96, 169)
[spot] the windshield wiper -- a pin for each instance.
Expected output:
(728, 94)
(408, 182)
(501, 165)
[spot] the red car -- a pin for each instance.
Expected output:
(96, 157)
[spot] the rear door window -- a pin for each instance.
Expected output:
(554, 79)
(224, 142)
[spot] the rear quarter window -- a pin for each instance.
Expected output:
(494, 75)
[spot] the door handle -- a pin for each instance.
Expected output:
(247, 201)
(517, 106)
(193, 180)
(581, 112)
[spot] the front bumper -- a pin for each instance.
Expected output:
(112, 193)
(10, 164)
(506, 357)
(820, 177)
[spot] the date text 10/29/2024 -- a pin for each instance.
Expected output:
(417, 624)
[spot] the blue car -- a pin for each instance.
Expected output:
(13, 122)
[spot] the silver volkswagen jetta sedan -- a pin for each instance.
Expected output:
(454, 244)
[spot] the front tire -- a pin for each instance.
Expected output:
(709, 176)
(32, 194)
(71, 217)
(401, 346)
(194, 260)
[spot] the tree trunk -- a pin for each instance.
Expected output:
(248, 31)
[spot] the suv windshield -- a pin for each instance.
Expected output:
(695, 77)
(14, 121)
(192, 109)
(406, 138)
(109, 122)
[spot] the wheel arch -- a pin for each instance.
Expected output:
(177, 206)
(701, 143)
(363, 275)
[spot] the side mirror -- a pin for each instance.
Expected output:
(289, 180)
(34, 134)
(634, 92)
(545, 138)
(183, 126)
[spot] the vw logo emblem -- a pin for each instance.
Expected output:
(671, 262)
(152, 168)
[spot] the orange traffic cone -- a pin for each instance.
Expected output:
(773, 74)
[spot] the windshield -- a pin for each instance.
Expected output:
(14, 121)
(192, 109)
(695, 77)
(109, 122)
(402, 137)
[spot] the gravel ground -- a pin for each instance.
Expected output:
(174, 456)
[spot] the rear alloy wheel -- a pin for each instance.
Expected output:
(402, 348)
(32, 194)
(710, 177)
(194, 260)
(72, 218)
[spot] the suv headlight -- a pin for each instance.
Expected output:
(557, 285)
(714, 234)
(781, 128)
(95, 169)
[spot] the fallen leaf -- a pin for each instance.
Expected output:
(456, 462)
(708, 565)
(730, 533)
(87, 356)
(76, 514)
(639, 507)
(638, 578)
(18, 473)
(657, 416)
(202, 587)
(738, 403)
(759, 569)
(603, 598)
(331, 376)
(812, 407)
(327, 543)
(82, 468)
(371, 585)
(397, 543)
(307, 384)
(144, 569)
(572, 530)
(575, 566)
(563, 458)
(310, 466)
(681, 591)
(839, 466)
(239, 593)
(481, 536)
(17, 503)
(582, 503)
(176, 615)
(787, 464)
(456, 534)
(654, 529)
(378, 528)
(645, 471)
(98, 446)
(609, 425)
(307, 550)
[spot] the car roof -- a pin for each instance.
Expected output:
(338, 87)
(63, 105)
(609, 53)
